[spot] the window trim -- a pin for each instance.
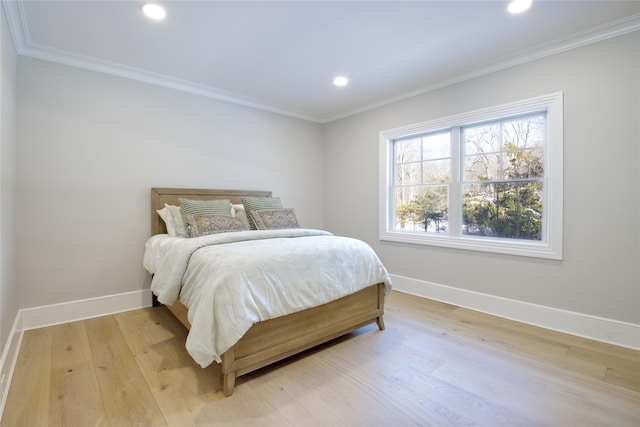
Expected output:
(551, 245)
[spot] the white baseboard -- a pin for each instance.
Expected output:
(9, 360)
(597, 328)
(54, 314)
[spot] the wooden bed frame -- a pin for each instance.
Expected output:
(272, 340)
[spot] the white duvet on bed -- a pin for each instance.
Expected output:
(230, 281)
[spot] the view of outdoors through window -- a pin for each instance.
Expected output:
(422, 179)
(502, 171)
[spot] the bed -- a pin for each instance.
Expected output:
(273, 339)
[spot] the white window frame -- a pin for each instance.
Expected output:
(551, 244)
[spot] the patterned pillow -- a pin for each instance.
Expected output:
(257, 203)
(273, 219)
(203, 225)
(204, 207)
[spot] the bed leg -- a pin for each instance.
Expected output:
(154, 301)
(379, 319)
(228, 374)
(228, 383)
(380, 322)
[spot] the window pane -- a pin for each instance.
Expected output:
(422, 209)
(523, 132)
(524, 164)
(407, 150)
(436, 146)
(436, 171)
(507, 210)
(408, 174)
(405, 194)
(484, 167)
(481, 139)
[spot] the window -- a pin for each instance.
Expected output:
(489, 180)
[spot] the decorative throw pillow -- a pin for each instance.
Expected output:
(204, 207)
(259, 203)
(274, 219)
(203, 225)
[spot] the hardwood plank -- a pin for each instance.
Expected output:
(526, 340)
(618, 370)
(126, 396)
(623, 378)
(70, 344)
(75, 395)
(178, 384)
(515, 337)
(546, 394)
(29, 397)
(429, 398)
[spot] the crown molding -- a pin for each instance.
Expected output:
(94, 64)
(16, 18)
(14, 12)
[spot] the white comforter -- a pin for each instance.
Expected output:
(230, 281)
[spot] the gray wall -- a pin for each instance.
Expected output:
(8, 282)
(92, 145)
(599, 274)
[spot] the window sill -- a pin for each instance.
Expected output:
(482, 244)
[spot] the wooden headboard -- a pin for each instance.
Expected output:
(170, 196)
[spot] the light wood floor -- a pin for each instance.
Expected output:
(435, 364)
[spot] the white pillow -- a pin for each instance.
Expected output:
(172, 218)
(168, 221)
(178, 222)
(237, 211)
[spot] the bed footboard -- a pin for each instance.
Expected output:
(272, 340)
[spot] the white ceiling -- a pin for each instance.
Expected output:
(282, 55)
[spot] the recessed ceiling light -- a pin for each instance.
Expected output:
(154, 11)
(519, 6)
(340, 81)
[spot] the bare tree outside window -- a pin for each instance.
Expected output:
(423, 169)
(503, 178)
